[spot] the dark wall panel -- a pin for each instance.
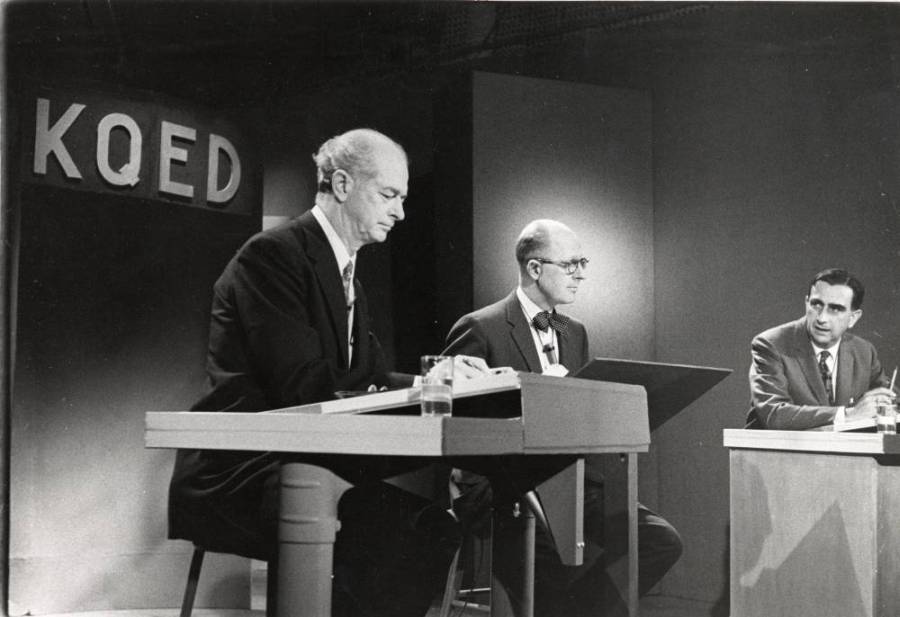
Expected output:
(111, 321)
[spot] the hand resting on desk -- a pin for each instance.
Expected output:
(865, 406)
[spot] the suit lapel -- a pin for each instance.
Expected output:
(566, 354)
(330, 283)
(803, 351)
(520, 331)
(565, 350)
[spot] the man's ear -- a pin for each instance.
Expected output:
(341, 184)
(533, 267)
(854, 317)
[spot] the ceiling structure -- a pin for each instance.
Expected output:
(247, 52)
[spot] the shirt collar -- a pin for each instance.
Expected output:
(337, 245)
(528, 306)
(833, 350)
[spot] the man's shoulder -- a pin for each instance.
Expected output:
(285, 238)
(856, 343)
(282, 248)
(289, 232)
(490, 313)
(575, 323)
(783, 333)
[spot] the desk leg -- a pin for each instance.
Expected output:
(306, 532)
(562, 499)
(633, 602)
(528, 557)
(501, 603)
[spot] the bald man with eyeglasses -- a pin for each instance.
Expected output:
(526, 332)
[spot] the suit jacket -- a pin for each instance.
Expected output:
(501, 335)
(786, 390)
(277, 338)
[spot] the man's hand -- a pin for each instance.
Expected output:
(865, 406)
(468, 367)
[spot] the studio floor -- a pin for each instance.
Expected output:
(653, 606)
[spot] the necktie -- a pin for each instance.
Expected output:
(826, 375)
(347, 276)
(544, 320)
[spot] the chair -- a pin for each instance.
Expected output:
(453, 595)
(190, 588)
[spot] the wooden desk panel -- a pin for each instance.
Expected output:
(815, 524)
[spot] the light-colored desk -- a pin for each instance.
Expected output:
(557, 416)
(815, 524)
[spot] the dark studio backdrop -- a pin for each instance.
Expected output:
(712, 157)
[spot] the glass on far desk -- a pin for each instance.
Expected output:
(886, 418)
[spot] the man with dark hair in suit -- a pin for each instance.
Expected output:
(812, 371)
(290, 326)
(524, 331)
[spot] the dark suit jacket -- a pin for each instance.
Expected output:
(278, 338)
(786, 390)
(501, 335)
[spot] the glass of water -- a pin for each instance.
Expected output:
(437, 385)
(886, 418)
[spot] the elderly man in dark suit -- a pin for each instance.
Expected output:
(813, 371)
(524, 331)
(290, 326)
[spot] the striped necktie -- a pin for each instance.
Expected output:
(826, 376)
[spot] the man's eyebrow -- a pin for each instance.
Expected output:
(834, 306)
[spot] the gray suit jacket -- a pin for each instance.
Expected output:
(786, 390)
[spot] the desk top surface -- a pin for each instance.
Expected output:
(357, 434)
(544, 415)
(812, 441)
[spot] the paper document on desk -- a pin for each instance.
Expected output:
(861, 424)
(500, 379)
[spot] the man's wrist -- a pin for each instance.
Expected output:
(840, 415)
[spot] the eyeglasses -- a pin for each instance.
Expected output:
(569, 267)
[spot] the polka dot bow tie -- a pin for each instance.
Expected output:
(544, 320)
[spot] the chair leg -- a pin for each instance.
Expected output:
(272, 588)
(452, 586)
(190, 590)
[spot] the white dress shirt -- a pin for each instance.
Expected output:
(832, 363)
(541, 339)
(343, 257)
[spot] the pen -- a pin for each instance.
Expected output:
(893, 378)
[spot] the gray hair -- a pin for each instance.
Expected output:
(353, 152)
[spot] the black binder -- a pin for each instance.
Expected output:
(670, 387)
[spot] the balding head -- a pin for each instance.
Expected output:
(544, 250)
(537, 236)
(356, 152)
